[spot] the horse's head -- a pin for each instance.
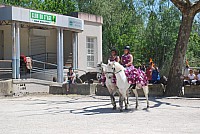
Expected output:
(100, 70)
(115, 67)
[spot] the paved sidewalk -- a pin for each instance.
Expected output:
(94, 115)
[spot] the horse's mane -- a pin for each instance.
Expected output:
(119, 66)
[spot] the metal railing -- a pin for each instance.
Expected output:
(46, 70)
(45, 57)
(41, 70)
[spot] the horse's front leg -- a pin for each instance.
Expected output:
(112, 97)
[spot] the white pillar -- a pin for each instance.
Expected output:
(60, 55)
(75, 51)
(13, 51)
(17, 50)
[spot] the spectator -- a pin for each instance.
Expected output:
(71, 76)
(23, 68)
(29, 64)
(198, 78)
(149, 72)
(143, 68)
(190, 78)
(155, 75)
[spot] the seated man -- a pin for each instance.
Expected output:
(191, 78)
(155, 75)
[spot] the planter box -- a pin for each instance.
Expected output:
(82, 89)
(192, 91)
(58, 89)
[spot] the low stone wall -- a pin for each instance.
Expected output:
(192, 91)
(154, 90)
(101, 91)
(6, 88)
(80, 89)
(58, 89)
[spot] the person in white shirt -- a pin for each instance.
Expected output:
(198, 78)
(190, 78)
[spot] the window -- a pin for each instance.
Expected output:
(91, 44)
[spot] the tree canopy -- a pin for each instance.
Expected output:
(150, 27)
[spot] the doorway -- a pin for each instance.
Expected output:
(38, 48)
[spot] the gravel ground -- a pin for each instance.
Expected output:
(75, 114)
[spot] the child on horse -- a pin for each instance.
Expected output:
(113, 57)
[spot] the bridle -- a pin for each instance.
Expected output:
(108, 72)
(115, 72)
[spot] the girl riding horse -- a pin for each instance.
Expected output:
(113, 57)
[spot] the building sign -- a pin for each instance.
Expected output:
(75, 23)
(42, 18)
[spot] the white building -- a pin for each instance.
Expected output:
(64, 40)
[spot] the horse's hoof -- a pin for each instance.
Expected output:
(121, 110)
(148, 106)
(126, 108)
(136, 107)
(114, 108)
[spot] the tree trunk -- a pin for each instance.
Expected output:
(175, 83)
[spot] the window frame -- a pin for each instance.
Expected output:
(91, 51)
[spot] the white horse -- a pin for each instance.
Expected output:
(123, 85)
(112, 88)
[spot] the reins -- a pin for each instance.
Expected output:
(113, 72)
(117, 72)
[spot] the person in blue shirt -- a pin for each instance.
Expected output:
(155, 75)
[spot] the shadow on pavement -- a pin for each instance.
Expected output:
(158, 103)
(60, 107)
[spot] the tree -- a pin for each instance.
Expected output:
(56, 6)
(189, 10)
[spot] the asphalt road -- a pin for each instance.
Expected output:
(94, 115)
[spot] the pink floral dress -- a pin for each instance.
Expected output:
(134, 75)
